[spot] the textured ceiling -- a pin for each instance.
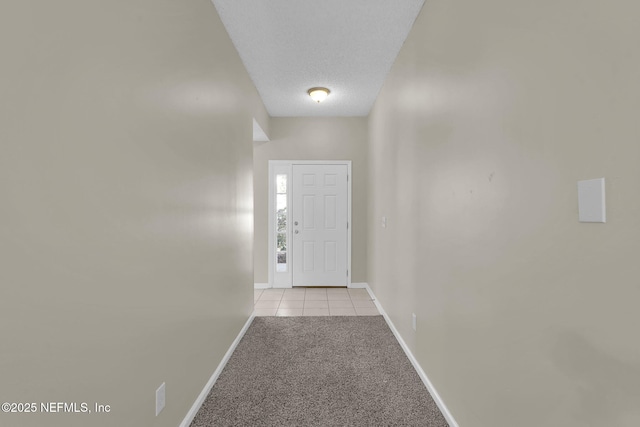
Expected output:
(289, 46)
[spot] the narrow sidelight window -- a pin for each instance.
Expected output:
(281, 223)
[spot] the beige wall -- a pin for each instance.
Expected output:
(126, 213)
(491, 114)
(313, 139)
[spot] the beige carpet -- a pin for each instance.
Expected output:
(319, 371)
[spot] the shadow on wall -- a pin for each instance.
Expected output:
(612, 389)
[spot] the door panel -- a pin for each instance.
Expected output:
(330, 214)
(330, 256)
(320, 208)
(308, 211)
(309, 249)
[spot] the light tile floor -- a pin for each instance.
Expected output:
(313, 302)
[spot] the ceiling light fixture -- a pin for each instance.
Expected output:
(318, 94)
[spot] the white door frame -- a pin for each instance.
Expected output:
(277, 167)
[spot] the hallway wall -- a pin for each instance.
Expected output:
(491, 114)
(304, 138)
(126, 205)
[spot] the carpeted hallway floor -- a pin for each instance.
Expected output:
(319, 371)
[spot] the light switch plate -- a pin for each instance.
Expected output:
(591, 200)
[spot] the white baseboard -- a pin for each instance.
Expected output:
(207, 388)
(423, 376)
(358, 286)
(261, 286)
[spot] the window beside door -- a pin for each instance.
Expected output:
(281, 223)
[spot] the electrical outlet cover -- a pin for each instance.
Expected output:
(160, 399)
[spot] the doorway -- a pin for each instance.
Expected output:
(309, 223)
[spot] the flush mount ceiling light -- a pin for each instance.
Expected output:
(318, 94)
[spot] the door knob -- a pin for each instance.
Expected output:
(296, 231)
(295, 223)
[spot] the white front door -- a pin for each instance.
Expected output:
(320, 225)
